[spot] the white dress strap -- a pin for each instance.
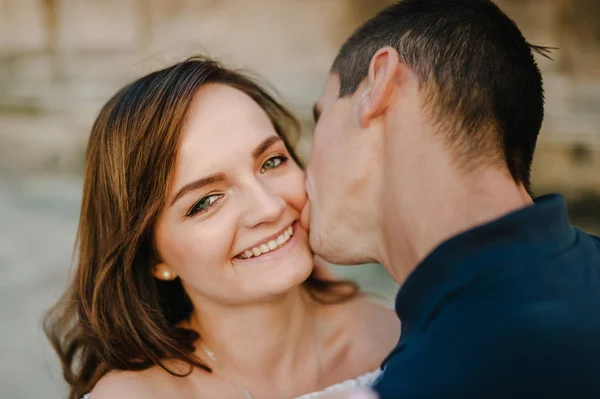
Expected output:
(364, 380)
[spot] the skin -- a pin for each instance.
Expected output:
(253, 314)
(258, 197)
(404, 192)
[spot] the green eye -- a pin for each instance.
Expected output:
(273, 163)
(204, 204)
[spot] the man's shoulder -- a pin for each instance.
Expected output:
(587, 240)
(595, 240)
(585, 252)
(520, 326)
(447, 362)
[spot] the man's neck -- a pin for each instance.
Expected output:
(440, 207)
(273, 339)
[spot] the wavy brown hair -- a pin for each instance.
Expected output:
(114, 314)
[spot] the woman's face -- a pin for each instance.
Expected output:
(235, 198)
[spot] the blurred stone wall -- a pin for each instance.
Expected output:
(61, 59)
(568, 155)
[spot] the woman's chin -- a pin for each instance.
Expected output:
(286, 280)
(284, 277)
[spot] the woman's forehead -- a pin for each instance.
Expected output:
(220, 111)
(224, 125)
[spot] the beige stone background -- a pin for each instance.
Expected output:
(61, 59)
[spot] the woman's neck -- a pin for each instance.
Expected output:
(276, 338)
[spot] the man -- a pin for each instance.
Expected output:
(421, 161)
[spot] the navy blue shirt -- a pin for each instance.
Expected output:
(510, 309)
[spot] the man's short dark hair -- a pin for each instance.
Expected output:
(477, 74)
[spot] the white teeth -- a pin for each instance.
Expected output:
(270, 246)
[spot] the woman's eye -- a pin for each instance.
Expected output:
(204, 204)
(273, 162)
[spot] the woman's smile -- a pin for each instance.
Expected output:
(272, 246)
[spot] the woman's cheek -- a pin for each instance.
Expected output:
(299, 197)
(202, 252)
(290, 186)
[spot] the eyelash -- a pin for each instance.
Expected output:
(282, 158)
(194, 211)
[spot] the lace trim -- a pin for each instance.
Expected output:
(364, 380)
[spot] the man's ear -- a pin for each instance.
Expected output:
(163, 272)
(380, 85)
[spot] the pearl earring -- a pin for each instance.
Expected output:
(167, 275)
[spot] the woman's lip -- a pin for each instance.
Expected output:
(274, 252)
(266, 241)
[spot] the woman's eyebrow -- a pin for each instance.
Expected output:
(197, 184)
(264, 146)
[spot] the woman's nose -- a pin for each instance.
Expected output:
(264, 206)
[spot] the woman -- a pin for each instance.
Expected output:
(194, 275)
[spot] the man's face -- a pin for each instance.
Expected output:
(341, 180)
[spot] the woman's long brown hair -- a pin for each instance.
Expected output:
(114, 314)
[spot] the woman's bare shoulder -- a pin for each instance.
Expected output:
(384, 317)
(364, 316)
(375, 329)
(152, 383)
(124, 384)
(357, 334)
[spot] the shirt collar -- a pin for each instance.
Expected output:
(531, 231)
